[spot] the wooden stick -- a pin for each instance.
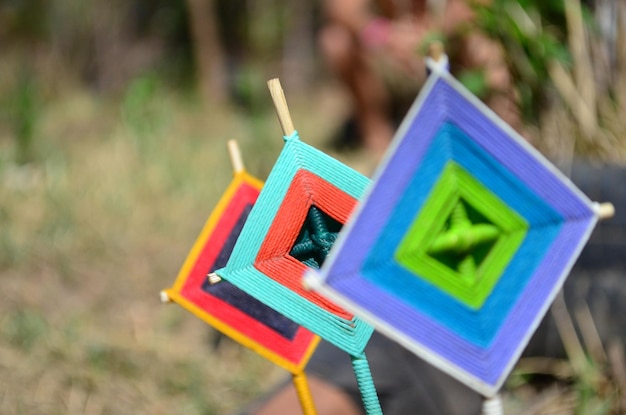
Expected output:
(280, 103)
(235, 156)
(164, 297)
(436, 57)
(238, 167)
(605, 210)
(213, 278)
(435, 50)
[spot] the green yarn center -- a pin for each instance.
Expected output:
(463, 238)
(316, 238)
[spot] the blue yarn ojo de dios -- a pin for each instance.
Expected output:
(430, 217)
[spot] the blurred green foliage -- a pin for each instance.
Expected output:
(24, 328)
(143, 112)
(533, 34)
(475, 81)
(252, 35)
(24, 103)
(25, 19)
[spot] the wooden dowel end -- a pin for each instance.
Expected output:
(214, 278)
(435, 50)
(164, 297)
(235, 156)
(605, 210)
(280, 103)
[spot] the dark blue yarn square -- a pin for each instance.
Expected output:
(237, 298)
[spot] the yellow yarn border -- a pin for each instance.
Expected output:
(243, 339)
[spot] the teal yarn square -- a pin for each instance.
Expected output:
(349, 335)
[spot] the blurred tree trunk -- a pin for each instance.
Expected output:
(298, 61)
(208, 53)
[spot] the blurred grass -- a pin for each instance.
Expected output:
(94, 226)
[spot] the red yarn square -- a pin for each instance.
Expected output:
(274, 260)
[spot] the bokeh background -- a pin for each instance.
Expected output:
(114, 117)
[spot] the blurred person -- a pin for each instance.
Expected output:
(375, 48)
